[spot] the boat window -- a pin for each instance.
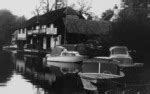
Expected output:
(65, 54)
(72, 54)
(90, 68)
(119, 51)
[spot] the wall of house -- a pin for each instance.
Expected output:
(42, 38)
(21, 34)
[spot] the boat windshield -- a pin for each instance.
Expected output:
(119, 51)
(68, 54)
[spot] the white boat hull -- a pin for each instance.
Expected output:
(62, 64)
(87, 84)
(65, 58)
(65, 67)
(131, 65)
(97, 76)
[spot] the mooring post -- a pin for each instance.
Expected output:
(138, 92)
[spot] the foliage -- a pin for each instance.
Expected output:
(44, 6)
(84, 7)
(37, 11)
(132, 28)
(87, 26)
(8, 22)
(133, 16)
(107, 14)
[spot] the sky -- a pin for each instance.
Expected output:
(26, 7)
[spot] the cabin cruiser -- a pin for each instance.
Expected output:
(121, 55)
(61, 54)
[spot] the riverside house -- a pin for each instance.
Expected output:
(57, 27)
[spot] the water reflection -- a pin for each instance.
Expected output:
(47, 80)
(6, 67)
(52, 79)
(27, 74)
(17, 85)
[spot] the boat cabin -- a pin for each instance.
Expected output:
(96, 69)
(121, 54)
(99, 67)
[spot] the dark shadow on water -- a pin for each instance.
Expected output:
(6, 66)
(54, 82)
(50, 79)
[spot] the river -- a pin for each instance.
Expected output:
(25, 74)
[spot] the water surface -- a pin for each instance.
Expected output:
(26, 74)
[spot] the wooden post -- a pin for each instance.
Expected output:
(95, 92)
(123, 92)
(106, 92)
(138, 92)
(44, 42)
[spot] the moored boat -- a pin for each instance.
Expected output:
(122, 56)
(100, 70)
(66, 61)
(60, 54)
(95, 71)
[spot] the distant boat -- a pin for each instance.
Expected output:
(61, 54)
(121, 55)
(9, 47)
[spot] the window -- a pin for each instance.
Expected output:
(119, 51)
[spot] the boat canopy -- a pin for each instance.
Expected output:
(57, 51)
(119, 50)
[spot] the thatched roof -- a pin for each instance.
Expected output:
(87, 26)
(50, 17)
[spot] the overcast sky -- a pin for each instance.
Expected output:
(26, 7)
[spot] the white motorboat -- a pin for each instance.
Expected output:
(60, 54)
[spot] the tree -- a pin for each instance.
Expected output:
(84, 7)
(107, 14)
(44, 6)
(19, 22)
(132, 28)
(8, 22)
(37, 11)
